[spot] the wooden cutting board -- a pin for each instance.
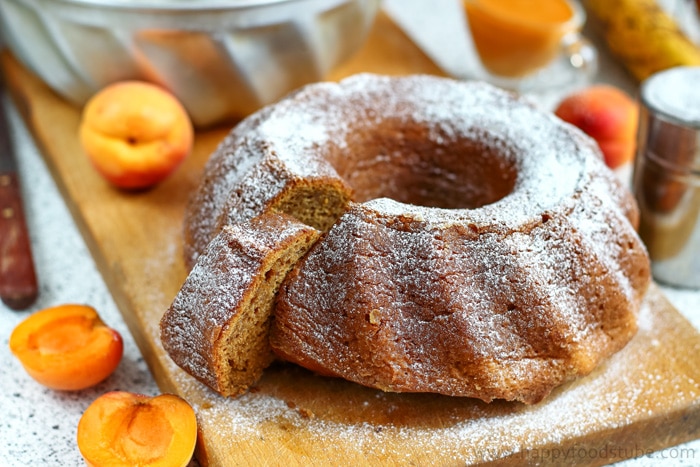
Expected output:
(645, 398)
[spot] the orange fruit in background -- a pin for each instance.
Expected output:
(135, 133)
(608, 115)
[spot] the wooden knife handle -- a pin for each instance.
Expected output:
(18, 284)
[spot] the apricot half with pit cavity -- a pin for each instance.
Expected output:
(67, 347)
(126, 429)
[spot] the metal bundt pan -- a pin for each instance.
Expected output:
(222, 58)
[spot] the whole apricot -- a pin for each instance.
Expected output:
(135, 133)
(125, 429)
(67, 347)
(608, 115)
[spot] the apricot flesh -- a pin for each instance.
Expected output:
(125, 429)
(609, 116)
(67, 347)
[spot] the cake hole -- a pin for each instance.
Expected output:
(414, 164)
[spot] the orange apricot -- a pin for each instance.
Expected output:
(125, 429)
(67, 347)
(135, 133)
(608, 115)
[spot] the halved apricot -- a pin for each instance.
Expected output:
(67, 347)
(125, 429)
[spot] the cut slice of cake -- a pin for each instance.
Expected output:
(217, 326)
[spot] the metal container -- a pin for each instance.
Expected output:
(222, 58)
(667, 174)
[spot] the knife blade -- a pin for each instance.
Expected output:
(18, 282)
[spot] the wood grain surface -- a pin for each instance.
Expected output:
(645, 398)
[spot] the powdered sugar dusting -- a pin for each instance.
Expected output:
(508, 286)
(548, 157)
(297, 135)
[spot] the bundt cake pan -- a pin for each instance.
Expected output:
(222, 58)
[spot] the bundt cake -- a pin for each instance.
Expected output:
(217, 327)
(474, 245)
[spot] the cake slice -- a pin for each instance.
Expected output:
(217, 326)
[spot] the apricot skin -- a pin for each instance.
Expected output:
(125, 429)
(135, 134)
(67, 347)
(609, 116)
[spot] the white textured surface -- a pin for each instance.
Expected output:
(37, 425)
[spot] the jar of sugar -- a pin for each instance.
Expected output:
(666, 179)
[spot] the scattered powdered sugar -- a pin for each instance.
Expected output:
(623, 391)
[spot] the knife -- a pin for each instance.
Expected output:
(18, 283)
